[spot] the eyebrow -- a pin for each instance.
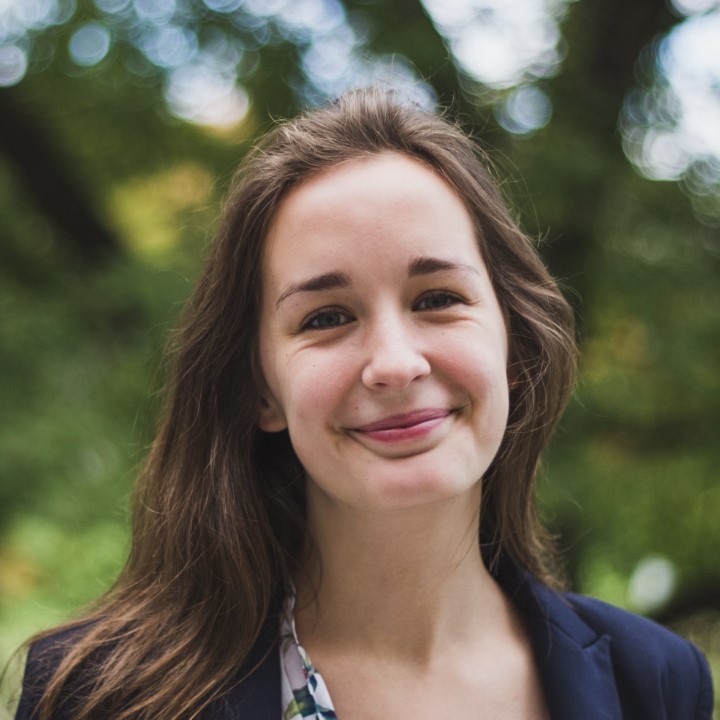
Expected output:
(418, 266)
(426, 265)
(326, 281)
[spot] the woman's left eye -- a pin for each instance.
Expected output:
(437, 301)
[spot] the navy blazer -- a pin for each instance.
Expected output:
(596, 662)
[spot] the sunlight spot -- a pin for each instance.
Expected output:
(670, 128)
(13, 65)
(200, 94)
(524, 110)
(112, 6)
(501, 43)
(306, 18)
(152, 210)
(155, 11)
(693, 7)
(223, 6)
(664, 157)
(34, 13)
(89, 44)
(652, 583)
(16, 17)
(264, 8)
(169, 46)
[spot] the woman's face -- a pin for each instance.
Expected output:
(382, 345)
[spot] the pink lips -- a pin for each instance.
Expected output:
(407, 426)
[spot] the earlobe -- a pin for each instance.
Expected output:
(271, 418)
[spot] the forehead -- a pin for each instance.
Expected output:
(388, 199)
(368, 176)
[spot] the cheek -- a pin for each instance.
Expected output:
(316, 403)
(315, 391)
(480, 364)
(479, 371)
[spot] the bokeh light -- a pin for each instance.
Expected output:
(524, 110)
(199, 93)
(693, 7)
(155, 11)
(13, 65)
(504, 47)
(670, 126)
(502, 43)
(22, 15)
(652, 583)
(89, 44)
(112, 6)
(17, 21)
(223, 6)
(201, 65)
(306, 19)
(169, 46)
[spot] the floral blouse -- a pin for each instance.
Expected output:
(304, 693)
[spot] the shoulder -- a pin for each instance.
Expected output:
(597, 660)
(254, 691)
(44, 657)
(637, 635)
(648, 657)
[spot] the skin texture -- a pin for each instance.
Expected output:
(384, 354)
(342, 363)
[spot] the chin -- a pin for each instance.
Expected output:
(414, 488)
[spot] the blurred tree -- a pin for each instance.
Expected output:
(47, 179)
(110, 144)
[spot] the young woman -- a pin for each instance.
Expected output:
(338, 517)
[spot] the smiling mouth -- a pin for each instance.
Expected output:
(407, 426)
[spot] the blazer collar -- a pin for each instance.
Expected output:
(574, 661)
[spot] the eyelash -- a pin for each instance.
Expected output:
(451, 298)
(308, 324)
(441, 294)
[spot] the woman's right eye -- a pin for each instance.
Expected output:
(326, 320)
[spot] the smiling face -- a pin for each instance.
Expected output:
(382, 344)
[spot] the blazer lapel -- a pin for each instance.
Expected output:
(256, 696)
(574, 662)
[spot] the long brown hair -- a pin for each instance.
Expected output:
(219, 515)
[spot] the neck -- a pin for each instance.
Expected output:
(397, 584)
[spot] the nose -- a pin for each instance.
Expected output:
(394, 358)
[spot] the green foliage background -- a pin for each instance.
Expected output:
(632, 475)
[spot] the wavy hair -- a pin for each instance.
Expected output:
(219, 515)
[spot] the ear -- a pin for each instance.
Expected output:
(271, 417)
